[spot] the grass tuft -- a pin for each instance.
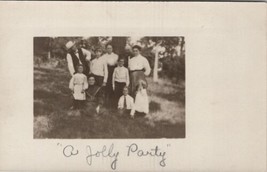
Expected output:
(53, 118)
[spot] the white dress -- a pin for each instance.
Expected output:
(141, 103)
(78, 84)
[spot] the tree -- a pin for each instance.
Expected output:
(173, 65)
(119, 44)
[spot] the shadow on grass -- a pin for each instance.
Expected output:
(111, 126)
(154, 107)
(52, 101)
(178, 96)
(48, 102)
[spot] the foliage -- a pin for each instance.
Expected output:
(173, 63)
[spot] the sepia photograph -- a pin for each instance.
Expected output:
(133, 86)
(109, 87)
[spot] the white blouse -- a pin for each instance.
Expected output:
(121, 74)
(98, 66)
(111, 59)
(138, 63)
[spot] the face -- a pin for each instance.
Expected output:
(125, 91)
(98, 53)
(121, 62)
(136, 52)
(80, 69)
(109, 49)
(91, 81)
(74, 48)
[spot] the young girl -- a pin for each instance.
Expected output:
(141, 103)
(78, 85)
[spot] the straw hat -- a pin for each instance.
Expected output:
(69, 44)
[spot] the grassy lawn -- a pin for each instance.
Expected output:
(52, 101)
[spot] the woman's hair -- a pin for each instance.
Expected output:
(79, 65)
(121, 58)
(98, 49)
(125, 87)
(91, 76)
(137, 47)
(109, 44)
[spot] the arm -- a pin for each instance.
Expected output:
(146, 66)
(85, 85)
(100, 97)
(71, 84)
(70, 64)
(127, 78)
(87, 54)
(120, 103)
(116, 58)
(105, 73)
(132, 103)
(113, 79)
(132, 111)
(90, 66)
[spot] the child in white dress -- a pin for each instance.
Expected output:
(141, 103)
(78, 84)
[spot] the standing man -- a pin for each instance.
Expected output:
(77, 56)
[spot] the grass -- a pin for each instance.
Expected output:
(52, 101)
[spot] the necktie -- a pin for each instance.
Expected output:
(124, 103)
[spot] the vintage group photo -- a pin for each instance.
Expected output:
(109, 87)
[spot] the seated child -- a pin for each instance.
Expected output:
(141, 103)
(78, 84)
(120, 79)
(125, 103)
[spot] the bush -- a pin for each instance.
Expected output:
(173, 68)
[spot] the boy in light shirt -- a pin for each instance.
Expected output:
(120, 79)
(126, 103)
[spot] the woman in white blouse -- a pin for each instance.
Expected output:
(139, 68)
(111, 60)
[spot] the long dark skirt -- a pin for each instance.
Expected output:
(109, 90)
(90, 109)
(135, 77)
(99, 80)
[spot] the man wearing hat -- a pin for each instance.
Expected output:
(77, 56)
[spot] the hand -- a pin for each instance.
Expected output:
(113, 87)
(97, 109)
(104, 84)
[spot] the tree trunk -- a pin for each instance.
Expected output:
(155, 71)
(182, 46)
(119, 44)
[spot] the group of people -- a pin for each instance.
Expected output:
(103, 82)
